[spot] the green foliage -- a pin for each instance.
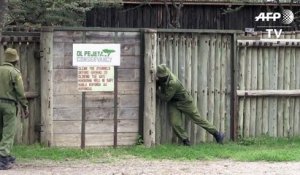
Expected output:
(139, 140)
(49, 12)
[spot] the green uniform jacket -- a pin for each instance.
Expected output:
(11, 84)
(180, 101)
(172, 90)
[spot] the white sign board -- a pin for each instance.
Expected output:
(96, 54)
(95, 78)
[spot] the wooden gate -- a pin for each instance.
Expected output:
(203, 63)
(27, 45)
(269, 87)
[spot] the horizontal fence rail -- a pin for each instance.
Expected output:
(269, 89)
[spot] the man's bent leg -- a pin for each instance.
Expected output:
(176, 121)
(191, 110)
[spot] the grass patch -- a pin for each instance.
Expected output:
(261, 149)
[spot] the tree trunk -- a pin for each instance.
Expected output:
(3, 7)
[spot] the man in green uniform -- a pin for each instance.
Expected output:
(11, 93)
(170, 89)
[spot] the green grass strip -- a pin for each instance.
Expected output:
(261, 149)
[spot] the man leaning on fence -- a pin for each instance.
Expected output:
(179, 100)
(11, 93)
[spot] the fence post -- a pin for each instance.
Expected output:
(150, 87)
(47, 88)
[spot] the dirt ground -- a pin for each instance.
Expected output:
(134, 166)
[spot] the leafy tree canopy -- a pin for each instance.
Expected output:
(53, 12)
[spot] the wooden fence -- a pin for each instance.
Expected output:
(269, 89)
(203, 63)
(27, 45)
(64, 116)
(240, 87)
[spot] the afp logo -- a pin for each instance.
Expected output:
(287, 16)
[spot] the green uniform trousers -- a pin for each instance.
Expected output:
(7, 126)
(175, 109)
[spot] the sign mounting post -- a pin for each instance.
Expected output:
(97, 71)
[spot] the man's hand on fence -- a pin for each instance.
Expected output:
(26, 113)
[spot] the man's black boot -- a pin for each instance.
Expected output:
(186, 142)
(219, 137)
(5, 164)
(10, 159)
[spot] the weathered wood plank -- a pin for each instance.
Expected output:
(59, 62)
(159, 125)
(68, 62)
(194, 84)
(181, 75)
(217, 83)
(169, 51)
(70, 88)
(203, 56)
(33, 84)
(252, 128)
(241, 85)
(67, 36)
(68, 75)
(223, 75)
(287, 86)
(181, 62)
(131, 49)
(211, 81)
(164, 113)
(59, 52)
(176, 55)
(24, 68)
(273, 73)
(280, 87)
(188, 77)
(229, 65)
(259, 111)
(130, 62)
(128, 36)
(297, 86)
(266, 85)
(94, 113)
(293, 117)
(47, 88)
(94, 126)
(94, 140)
(65, 101)
(162, 50)
(150, 87)
(248, 73)
(254, 93)
(96, 36)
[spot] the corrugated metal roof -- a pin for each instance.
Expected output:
(214, 1)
